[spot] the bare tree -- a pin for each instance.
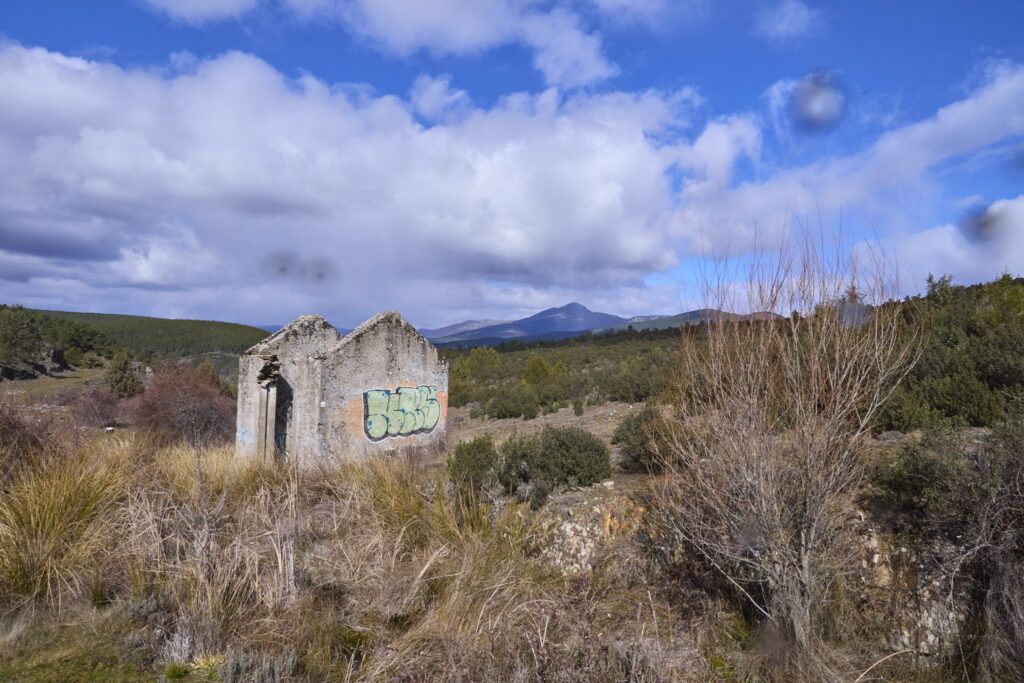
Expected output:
(765, 455)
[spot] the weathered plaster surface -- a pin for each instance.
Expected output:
(330, 378)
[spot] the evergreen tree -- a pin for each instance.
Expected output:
(20, 338)
(121, 376)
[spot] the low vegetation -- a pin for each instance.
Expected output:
(197, 565)
(778, 527)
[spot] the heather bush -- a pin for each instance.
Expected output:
(473, 464)
(532, 466)
(96, 407)
(182, 404)
(635, 435)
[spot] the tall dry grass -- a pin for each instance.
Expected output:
(367, 571)
(57, 525)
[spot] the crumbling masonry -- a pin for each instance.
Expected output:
(309, 395)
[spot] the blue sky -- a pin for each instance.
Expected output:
(252, 160)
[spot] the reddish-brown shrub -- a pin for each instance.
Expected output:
(182, 405)
(97, 407)
(20, 431)
(32, 431)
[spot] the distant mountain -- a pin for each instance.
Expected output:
(689, 318)
(458, 328)
(572, 318)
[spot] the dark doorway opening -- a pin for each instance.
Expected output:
(283, 419)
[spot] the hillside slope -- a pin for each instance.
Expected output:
(164, 337)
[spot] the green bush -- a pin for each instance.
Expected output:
(121, 377)
(91, 360)
(634, 435)
(941, 481)
(537, 370)
(559, 456)
(972, 359)
(519, 457)
(20, 338)
(574, 456)
(513, 400)
(577, 406)
(917, 479)
(474, 463)
(74, 356)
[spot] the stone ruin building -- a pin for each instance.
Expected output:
(309, 395)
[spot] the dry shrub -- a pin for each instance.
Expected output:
(765, 458)
(436, 585)
(365, 571)
(224, 556)
(20, 431)
(97, 407)
(181, 404)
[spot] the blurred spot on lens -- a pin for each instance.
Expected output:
(281, 263)
(983, 225)
(817, 103)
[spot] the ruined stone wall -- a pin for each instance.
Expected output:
(300, 349)
(390, 390)
(379, 389)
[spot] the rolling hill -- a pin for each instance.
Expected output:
(166, 337)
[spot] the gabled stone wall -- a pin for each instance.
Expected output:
(309, 395)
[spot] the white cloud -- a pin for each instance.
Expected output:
(884, 180)
(162, 186)
(165, 191)
(566, 54)
(964, 252)
(434, 98)
(713, 155)
(199, 11)
(785, 20)
(563, 51)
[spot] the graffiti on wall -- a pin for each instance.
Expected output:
(402, 412)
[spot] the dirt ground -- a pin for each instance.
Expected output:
(48, 387)
(599, 420)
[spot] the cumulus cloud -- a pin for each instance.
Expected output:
(434, 98)
(786, 20)
(199, 11)
(881, 180)
(170, 191)
(962, 251)
(565, 53)
(170, 182)
(563, 50)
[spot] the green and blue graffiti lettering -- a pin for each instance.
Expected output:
(403, 412)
